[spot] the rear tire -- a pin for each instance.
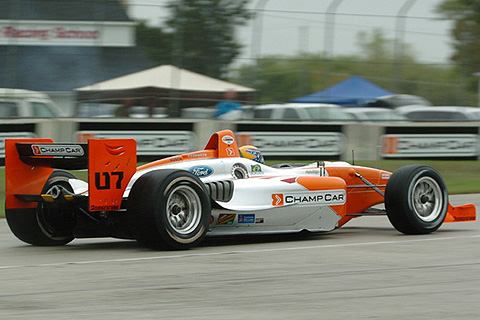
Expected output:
(169, 209)
(47, 224)
(416, 199)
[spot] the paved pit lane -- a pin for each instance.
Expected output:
(365, 270)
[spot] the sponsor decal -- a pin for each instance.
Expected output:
(296, 143)
(201, 171)
(466, 218)
(385, 176)
(211, 219)
(104, 208)
(150, 142)
(330, 197)
(57, 150)
(175, 159)
(47, 34)
(224, 219)
(256, 169)
(230, 152)
(197, 155)
(228, 139)
(430, 145)
(246, 218)
(259, 220)
(53, 33)
(277, 199)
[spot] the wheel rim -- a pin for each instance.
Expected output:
(427, 199)
(184, 209)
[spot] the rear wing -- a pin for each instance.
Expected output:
(111, 163)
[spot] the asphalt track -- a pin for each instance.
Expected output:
(365, 270)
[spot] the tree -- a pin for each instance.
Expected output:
(374, 46)
(282, 78)
(203, 33)
(466, 34)
(156, 42)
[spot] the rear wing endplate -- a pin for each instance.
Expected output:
(29, 162)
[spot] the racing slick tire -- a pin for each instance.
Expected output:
(47, 224)
(416, 199)
(170, 209)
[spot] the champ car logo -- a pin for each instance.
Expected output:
(57, 150)
(331, 197)
(201, 171)
(277, 199)
(228, 139)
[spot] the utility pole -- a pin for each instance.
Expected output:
(329, 29)
(400, 23)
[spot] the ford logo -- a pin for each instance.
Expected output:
(201, 171)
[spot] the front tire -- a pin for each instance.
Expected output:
(416, 199)
(47, 224)
(169, 209)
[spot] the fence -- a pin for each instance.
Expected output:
(157, 138)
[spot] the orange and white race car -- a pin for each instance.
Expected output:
(221, 190)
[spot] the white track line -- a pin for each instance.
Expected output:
(237, 252)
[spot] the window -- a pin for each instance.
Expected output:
(40, 109)
(476, 115)
(290, 114)
(8, 109)
(437, 115)
(326, 113)
(263, 113)
(384, 116)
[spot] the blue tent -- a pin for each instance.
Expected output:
(354, 91)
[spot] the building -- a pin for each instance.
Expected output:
(59, 45)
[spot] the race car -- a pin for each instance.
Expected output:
(173, 203)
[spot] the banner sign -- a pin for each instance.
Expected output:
(164, 143)
(67, 33)
(294, 143)
(430, 145)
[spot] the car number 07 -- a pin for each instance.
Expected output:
(107, 177)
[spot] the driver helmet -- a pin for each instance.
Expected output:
(252, 153)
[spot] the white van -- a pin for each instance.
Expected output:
(302, 112)
(17, 103)
(440, 113)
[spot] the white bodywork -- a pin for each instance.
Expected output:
(253, 207)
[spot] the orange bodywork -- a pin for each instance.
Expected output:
(314, 183)
(204, 154)
(111, 163)
(463, 213)
(21, 178)
(360, 196)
